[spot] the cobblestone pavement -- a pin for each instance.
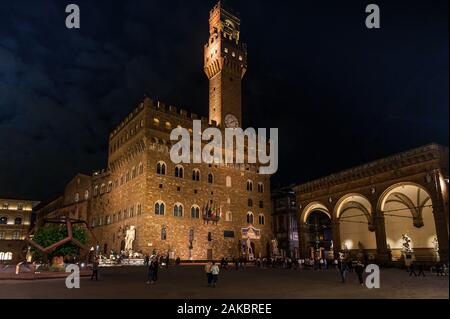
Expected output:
(189, 282)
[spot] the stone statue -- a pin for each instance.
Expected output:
(406, 244)
(275, 251)
(129, 238)
(249, 249)
(29, 256)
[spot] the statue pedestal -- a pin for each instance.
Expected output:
(133, 262)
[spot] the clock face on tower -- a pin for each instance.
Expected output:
(231, 121)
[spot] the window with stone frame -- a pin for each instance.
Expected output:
(161, 168)
(250, 218)
(262, 219)
(179, 171)
(160, 208)
(178, 210)
(195, 212)
(196, 175)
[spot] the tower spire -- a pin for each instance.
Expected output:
(225, 65)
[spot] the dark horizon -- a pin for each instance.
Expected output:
(341, 95)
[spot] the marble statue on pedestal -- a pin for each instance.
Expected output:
(129, 238)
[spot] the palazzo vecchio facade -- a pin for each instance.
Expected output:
(195, 212)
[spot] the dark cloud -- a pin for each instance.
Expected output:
(340, 94)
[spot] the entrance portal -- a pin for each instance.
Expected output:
(319, 234)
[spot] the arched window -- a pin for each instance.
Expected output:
(133, 172)
(18, 221)
(77, 197)
(161, 168)
(3, 220)
(261, 204)
(95, 190)
(228, 181)
(110, 186)
(179, 171)
(160, 208)
(196, 175)
(178, 210)
(260, 188)
(139, 209)
(156, 122)
(102, 189)
(168, 125)
(262, 219)
(250, 218)
(141, 168)
(250, 203)
(210, 178)
(16, 235)
(164, 233)
(119, 215)
(127, 177)
(195, 212)
(229, 217)
(132, 211)
(86, 194)
(250, 186)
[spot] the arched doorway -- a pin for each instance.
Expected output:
(318, 234)
(356, 229)
(408, 211)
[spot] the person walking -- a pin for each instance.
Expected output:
(412, 270)
(208, 273)
(95, 269)
(359, 269)
(421, 272)
(215, 274)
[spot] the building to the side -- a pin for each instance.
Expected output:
(190, 211)
(284, 222)
(73, 203)
(371, 209)
(15, 221)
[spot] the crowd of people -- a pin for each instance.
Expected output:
(344, 266)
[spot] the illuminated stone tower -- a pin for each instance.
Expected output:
(225, 66)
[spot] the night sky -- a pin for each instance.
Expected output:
(341, 94)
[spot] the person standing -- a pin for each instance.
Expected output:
(95, 269)
(215, 274)
(155, 270)
(150, 272)
(208, 273)
(359, 269)
(343, 269)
